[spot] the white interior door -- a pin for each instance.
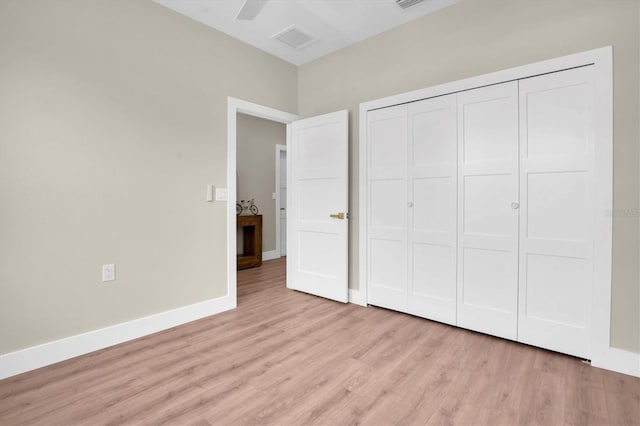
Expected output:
(432, 152)
(557, 193)
(317, 202)
(388, 209)
(488, 215)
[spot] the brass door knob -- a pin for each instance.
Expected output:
(337, 215)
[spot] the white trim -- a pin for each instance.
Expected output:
(279, 149)
(232, 248)
(59, 350)
(356, 297)
(619, 360)
(602, 354)
(289, 231)
(270, 255)
(235, 106)
(601, 351)
(363, 212)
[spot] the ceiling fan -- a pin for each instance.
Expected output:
(250, 9)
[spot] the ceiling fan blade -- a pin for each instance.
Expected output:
(250, 9)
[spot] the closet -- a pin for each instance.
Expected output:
(480, 209)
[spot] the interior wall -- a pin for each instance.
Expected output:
(112, 123)
(482, 36)
(256, 141)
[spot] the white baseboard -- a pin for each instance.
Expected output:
(619, 360)
(59, 350)
(270, 255)
(356, 297)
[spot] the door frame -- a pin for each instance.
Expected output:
(279, 149)
(235, 106)
(602, 354)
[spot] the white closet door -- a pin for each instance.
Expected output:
(387, 185)
(432, 154)
(556, 243)
(487, 209)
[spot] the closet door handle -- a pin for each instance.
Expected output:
(410, 204)
(515, 206)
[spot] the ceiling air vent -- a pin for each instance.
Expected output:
(293, 37)
(406, 4)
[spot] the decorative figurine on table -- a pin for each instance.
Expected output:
(244, 207)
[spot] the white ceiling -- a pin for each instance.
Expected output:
(334, 23)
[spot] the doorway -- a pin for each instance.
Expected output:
(317, 165)
(234, 107)
(257, 183)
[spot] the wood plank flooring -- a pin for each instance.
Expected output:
(289, 358)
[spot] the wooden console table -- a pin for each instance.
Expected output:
(251, 226)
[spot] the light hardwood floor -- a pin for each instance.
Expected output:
(289, 358)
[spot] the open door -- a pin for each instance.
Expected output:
(317, 204)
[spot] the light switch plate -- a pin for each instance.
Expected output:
(108, 272)
(221, 194)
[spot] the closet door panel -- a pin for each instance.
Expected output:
(387, 186)
(487, 210)
(432, 186)
(556, 231)
(566, 195)
(434, 209)
(487, 280)
(433, 276)
(486, 138)
(388, 207)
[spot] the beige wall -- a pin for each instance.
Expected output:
(112, 122)
(256, 166)
(479, 36)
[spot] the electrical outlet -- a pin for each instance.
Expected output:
(108, 272)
